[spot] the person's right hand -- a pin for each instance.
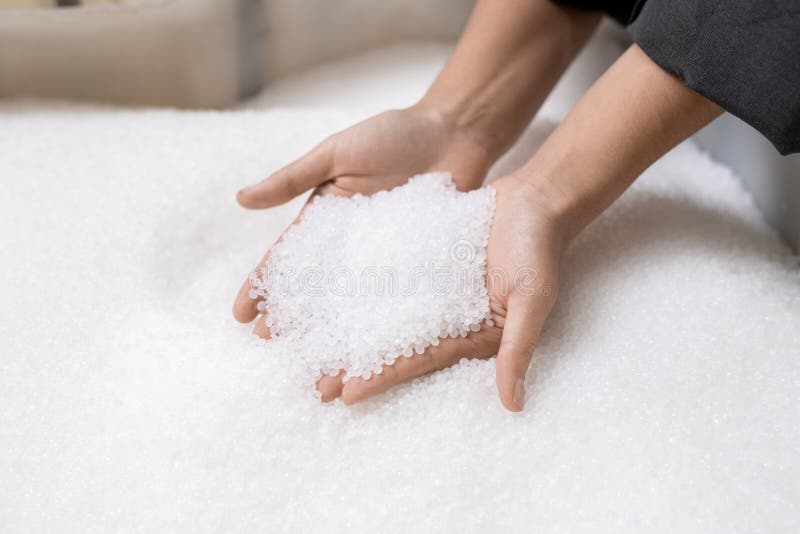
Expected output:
(379, 153)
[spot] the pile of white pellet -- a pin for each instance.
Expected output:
(362, 281)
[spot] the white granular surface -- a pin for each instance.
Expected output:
(663, 397)
(362, 281)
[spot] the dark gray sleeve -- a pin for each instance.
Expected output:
(742, 54)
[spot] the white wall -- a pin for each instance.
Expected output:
(198, 53)
(153, 52)
(302, 33)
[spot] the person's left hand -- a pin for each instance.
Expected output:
(377, 154)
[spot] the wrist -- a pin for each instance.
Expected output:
(546, 198)
(467, 122)
(577, 178)
(458, 152)
(571, 184)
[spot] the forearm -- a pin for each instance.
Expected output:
(634, 114)
(509, 58)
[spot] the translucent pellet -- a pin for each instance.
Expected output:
(361, 281)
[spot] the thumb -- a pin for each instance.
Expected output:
(296, 178)
(524, 320)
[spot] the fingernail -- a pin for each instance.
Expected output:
(246, 190)
(518, 399)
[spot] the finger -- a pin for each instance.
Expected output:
(447, 353)
(245, 309)
(330, 387)
(261, 329)
(523, 325)
(307, 172)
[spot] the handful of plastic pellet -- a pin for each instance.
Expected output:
(362, 281)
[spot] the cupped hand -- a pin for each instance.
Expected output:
(377, 154)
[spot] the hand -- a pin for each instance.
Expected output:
(526, 242)
(379, 153)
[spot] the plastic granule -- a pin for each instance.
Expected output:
(362, 281)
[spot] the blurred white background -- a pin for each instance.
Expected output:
(196, 53)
